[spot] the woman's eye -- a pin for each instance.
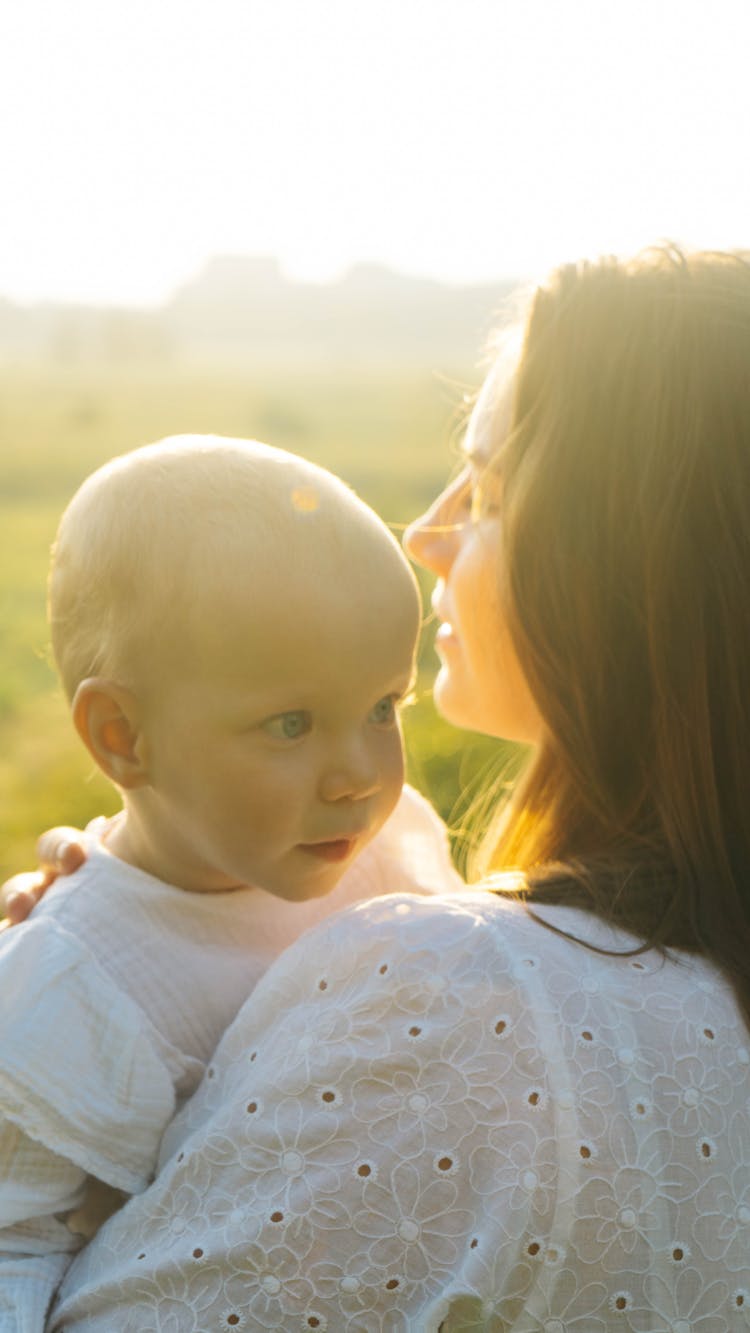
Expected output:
(485, 501)
(288, 726)
(468, 499)
(384, 710)
(465, 497)
(483, 506)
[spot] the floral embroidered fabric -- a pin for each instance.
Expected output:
(435, 1114)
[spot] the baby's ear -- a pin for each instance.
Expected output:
(107, 717)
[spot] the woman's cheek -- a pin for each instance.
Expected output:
(484, 687)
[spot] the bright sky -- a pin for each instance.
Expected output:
(460, 139)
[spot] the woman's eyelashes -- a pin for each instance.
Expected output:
(483, 505)
(483, 495)
(456, 510)
(476, 496)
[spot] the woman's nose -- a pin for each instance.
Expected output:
(431, 539)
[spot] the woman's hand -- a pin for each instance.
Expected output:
(59, 851)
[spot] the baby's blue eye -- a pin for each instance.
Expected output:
(288, 726)
(384, 710)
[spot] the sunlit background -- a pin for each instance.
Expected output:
(298, 221)
(460, 139)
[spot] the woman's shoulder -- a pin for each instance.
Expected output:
(454, 919)
(411, 940)
(537, 954)
(396, 990)
(411, 923)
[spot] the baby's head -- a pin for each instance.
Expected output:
(234, 628)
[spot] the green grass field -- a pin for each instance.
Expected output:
(389, 434)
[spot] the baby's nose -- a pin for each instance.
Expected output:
(353, 775)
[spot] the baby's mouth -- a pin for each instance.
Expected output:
(336, 850)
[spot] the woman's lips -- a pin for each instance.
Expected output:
(337, 850)
(445, 637)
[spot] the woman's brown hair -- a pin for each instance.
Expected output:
(626, 513)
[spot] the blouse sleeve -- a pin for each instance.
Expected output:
(372, 1146)
(38, 1188)
(82, 1070)
(84, 1093)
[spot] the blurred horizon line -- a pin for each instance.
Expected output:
(266, 267)
(245, 306)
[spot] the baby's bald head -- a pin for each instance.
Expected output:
(161, 545)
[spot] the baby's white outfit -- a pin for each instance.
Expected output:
(112, 998)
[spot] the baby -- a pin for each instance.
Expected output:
(234, 630)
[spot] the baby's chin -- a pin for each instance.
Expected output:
(319, 869)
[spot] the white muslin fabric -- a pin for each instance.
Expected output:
(437, 1114)
(112, 998)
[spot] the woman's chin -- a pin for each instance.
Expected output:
(458, 704)
(451, 701)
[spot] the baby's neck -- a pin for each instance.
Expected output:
(130, 840)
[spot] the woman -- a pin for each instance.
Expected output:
(524, 1106)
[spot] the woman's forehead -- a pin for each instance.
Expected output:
(489, 422)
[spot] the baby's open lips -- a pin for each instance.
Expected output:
(336, 849)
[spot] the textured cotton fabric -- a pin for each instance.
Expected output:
(112, 998)
(436, 1114)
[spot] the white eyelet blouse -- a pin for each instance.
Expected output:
(435, 1114)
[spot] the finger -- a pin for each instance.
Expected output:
(61, 850)
(21, 894)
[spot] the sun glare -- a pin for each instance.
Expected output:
(463, 142)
